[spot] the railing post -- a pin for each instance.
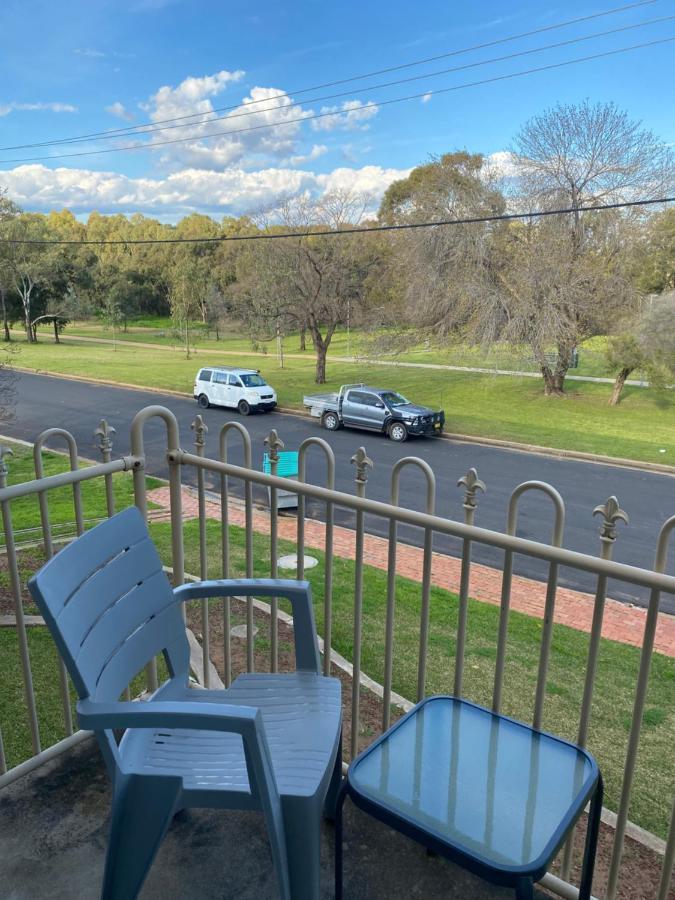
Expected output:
(472, 483)
(200, 429)
(15, 582)
(328, 539)
(105, 433)
(274, 444)
(173, 457)
(638, 708)
(362, 462)
(611, 514)
(225, 432)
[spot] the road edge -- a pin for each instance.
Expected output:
(556, 453)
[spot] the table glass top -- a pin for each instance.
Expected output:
(482, 783)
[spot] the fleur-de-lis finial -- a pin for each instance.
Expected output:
(200, 429)
(473, 484)
(611, 513)
(104, 433)
(4, 451)
(274, 444)
(362, 462)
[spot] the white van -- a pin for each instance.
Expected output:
(242, 389)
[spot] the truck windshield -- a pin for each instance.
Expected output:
(253, 380)
(393, 399)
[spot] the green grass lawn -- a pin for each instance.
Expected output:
(615, 683)
(25, 510)
(160, 330)
(640, 428)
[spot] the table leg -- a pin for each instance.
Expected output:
(344, 790)
(592, 831)
(524, 889)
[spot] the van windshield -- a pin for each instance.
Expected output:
(253, 380)
(393, 399)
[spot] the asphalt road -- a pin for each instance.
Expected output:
(648, 498)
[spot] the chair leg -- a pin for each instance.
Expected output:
(330, 802)
(302, 824)
(141, 814)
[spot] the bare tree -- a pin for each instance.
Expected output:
(308, 283)
(571, 277)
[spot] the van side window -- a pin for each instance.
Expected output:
(232, 379)
(205, 375)
(219, 378)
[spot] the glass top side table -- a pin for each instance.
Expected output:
(490, 793)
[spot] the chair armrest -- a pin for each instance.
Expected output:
(246, 721)
(298, 592)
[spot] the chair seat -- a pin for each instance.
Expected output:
(301, 713)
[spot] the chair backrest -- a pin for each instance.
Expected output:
(110, 607)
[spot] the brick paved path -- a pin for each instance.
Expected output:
(622, 622)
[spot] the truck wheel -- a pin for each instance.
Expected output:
(203, 401)
(330, 421)
(398, 432)
(244, 408)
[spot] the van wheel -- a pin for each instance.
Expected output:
(244, 408)
(331, 421)
(398, 432)
(203, 401)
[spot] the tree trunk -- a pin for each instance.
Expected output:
(303, 339)
(618, 386)
(5, 323)
(29, 328)
(56, 332)
(321, 348)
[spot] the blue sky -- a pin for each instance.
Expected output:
(77, 67)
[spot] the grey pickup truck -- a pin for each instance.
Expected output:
(375, 409)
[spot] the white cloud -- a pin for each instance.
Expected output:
(502, 164)
(427, 97)
(91, 53)
(118, 110)
(234, 191)
(7, 108)
(266, 123)
(316, 151)
(353, 115)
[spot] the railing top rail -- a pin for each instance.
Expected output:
(574, 559)
(73, 476)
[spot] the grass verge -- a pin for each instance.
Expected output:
(642, 427)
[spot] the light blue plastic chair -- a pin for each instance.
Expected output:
(269, 742)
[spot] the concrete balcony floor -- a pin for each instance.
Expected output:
(53, 833)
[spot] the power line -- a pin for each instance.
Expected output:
(252, 112)
(371, 104)
(149, 127)
(406, 226)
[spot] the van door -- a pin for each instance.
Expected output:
(235, 391)
(218, 392)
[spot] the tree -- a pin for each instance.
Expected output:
(450, 288)
(306, 283)
(30, 264)
(573, 156)
(8, 212)
(648, 343)
(186, 287)
(655, 255)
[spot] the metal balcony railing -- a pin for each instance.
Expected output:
(227, 475)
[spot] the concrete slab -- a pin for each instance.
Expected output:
(53, 833)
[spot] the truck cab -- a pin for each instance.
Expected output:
(242, 389)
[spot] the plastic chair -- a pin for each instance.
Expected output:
(270, 742)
